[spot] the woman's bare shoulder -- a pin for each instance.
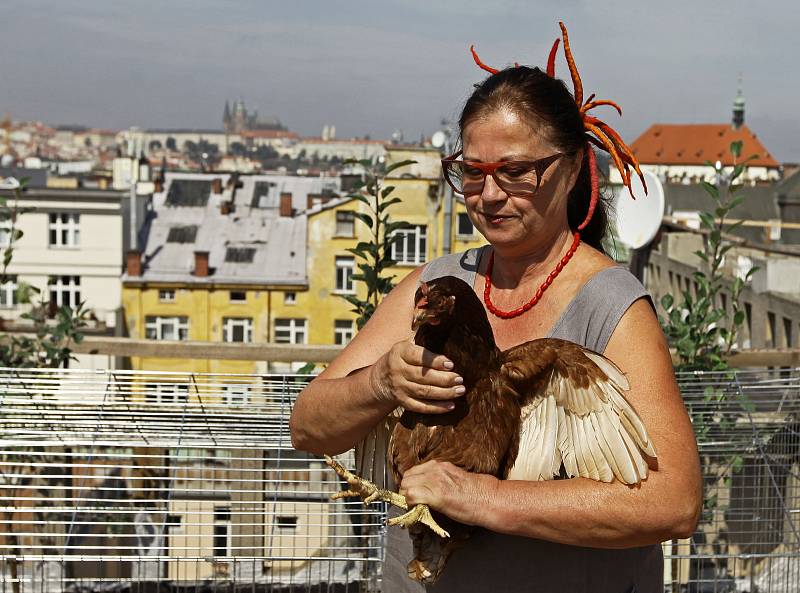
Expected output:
(390, 324)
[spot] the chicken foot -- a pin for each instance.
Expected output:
(369, 493)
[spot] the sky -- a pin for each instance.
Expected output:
(373, 66)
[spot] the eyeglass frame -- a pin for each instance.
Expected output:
(539, 166)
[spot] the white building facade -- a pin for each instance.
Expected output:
(71, 250)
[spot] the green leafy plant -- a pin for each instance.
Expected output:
(704, 334)
(698, 326)
(374, 255)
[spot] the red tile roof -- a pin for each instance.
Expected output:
(695, 144)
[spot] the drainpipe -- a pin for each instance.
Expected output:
(448, 218)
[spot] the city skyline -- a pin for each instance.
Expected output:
(371, 70)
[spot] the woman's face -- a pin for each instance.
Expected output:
(508, 220)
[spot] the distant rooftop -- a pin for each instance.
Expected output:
(697, 144)
(241, 228)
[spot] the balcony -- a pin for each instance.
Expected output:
(133, 481)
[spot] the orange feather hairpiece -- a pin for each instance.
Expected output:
(598, 132)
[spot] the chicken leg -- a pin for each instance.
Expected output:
(369, 493)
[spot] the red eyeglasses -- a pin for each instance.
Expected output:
(518, 178)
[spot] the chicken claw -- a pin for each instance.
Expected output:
(421, 513)
(369, 493)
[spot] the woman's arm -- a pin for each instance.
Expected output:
(581, 511)
(378, 371)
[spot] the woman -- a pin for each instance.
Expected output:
(539, 220)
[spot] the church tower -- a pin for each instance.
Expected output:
(738, 108)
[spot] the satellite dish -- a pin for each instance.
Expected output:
(638, 220)
(9, 183)
(438, 139)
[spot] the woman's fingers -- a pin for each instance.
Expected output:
(424, 358)
(426, 367)
(417, 379)
(422, 406)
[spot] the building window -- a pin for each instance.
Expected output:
(166, 328)
(5, 231)
(65, 229)
(286, 522)
(182, 234)
(344, 274)
(345, 223)
(290, 331)
(8, 292)
(164, 393)
(65, 291)
(236, 395)
(222, 532)
(289, 298)
(166, 295)
(237, 329)
(342, 331)
(410, 245)
(464, 226)
(240, 255)
(238, 296)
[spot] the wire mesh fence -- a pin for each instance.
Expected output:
(121, 480)
(748, 430)
(137, 481)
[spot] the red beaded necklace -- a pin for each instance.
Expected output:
(487, 288)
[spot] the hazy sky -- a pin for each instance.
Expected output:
(370, 67)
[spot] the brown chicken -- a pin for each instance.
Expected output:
(540, 410)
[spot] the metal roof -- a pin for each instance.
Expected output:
(278, 243)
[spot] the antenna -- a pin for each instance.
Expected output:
(638, 220)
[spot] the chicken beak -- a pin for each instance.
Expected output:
(423, 316)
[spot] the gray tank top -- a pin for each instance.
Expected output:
(496, 563)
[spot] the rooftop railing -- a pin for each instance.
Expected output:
(122, 481)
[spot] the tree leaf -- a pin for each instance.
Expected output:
(711, 189)
(398, 165)
(707, 220)
(385, 204)
(365, 218)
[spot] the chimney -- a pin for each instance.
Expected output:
(286, 204)
(309, 201)
(225, 208)
(216, 185)
(200, 264)
(133, 263)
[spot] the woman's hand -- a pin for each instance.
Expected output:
(447, 488)
(416, 379)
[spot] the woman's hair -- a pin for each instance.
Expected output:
(546, 105)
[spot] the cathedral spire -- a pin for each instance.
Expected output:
(226, 116)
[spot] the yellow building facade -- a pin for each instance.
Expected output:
(311, 309)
